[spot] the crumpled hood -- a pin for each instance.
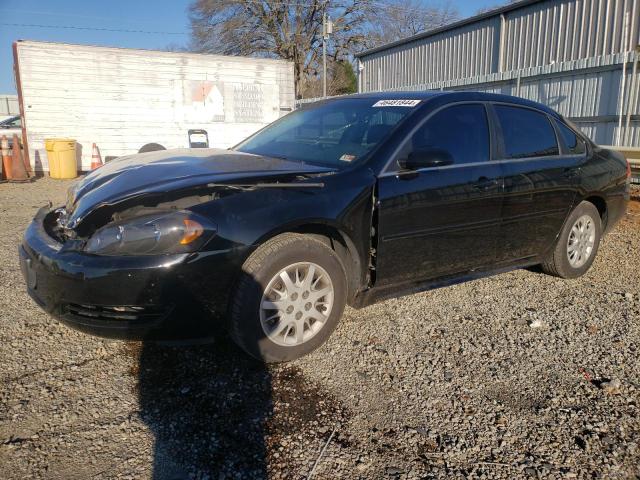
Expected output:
(168, 170)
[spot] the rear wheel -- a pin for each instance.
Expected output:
(577, 244)
(289, 299)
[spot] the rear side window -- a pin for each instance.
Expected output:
(526, 133)
(574, 144)
(461, 130)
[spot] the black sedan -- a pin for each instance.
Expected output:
(344, 201)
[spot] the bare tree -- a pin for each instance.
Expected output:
(287, 29)
(397, 19)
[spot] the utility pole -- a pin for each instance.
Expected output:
(327, 29)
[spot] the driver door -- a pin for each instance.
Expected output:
(441, 220)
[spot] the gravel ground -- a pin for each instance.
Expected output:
(519, 375)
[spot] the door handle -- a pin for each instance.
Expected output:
(485, 184)
(406, 174)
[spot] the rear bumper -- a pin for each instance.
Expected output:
(616, 208)
(146, 297)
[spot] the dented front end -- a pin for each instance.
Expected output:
(76, 228)
(124, 296)
(151, 215)
(155, 254)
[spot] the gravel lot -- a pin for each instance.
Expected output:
(511, 376)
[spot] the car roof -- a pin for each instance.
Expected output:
(450, 96)
(397, 95)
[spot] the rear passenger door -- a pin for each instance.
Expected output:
(540, 180)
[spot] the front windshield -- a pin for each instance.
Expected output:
(334, 133)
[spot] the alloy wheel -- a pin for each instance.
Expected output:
(581, 241)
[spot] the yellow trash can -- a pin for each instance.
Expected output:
(61, 153)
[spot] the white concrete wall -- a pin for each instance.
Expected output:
(122, 99)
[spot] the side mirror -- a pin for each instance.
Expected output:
(425, 158)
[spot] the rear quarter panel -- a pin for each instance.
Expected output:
(603, 176)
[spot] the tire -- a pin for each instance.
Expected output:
(261, 272)
(559, 263)
(151, 147)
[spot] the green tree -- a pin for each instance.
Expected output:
(343, 79)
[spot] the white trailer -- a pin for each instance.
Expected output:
(122, 99)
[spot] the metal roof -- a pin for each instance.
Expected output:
(450, 26)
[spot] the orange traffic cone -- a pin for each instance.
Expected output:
(96, 159)
(6, 157)
(17, 171)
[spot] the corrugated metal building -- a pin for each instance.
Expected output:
(578, 56)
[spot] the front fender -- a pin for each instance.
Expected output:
(249, 218)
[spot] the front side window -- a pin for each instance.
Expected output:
(335, 133)
(526, 133)
(462, 131)
(574, 144)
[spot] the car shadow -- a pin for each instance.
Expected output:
(206, 406)
(215, 412)
(535, 269)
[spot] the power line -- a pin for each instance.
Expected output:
(379, 4)
(31, 13)
(375, 3)
(99, 29)
(389, 6)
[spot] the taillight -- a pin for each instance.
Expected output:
(628, 168)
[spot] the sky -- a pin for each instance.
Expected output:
(155, 28)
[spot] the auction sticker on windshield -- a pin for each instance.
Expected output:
(396, 103)
(347, 158)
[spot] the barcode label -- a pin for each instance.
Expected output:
(396, 103)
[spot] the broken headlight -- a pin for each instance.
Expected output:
(166, 232)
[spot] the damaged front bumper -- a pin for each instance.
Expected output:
(174, 296)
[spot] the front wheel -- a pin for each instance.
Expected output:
(578, 243)
(289, 299)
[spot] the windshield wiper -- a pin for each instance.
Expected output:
(279, 157)
(250, 186)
